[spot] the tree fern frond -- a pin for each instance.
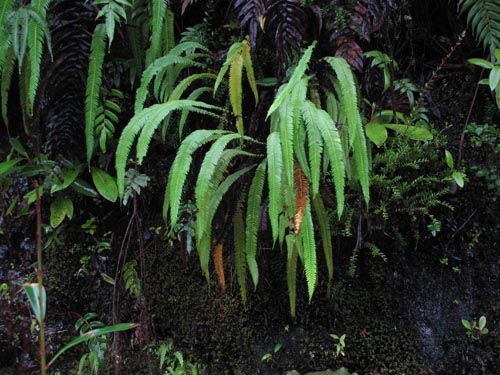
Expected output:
(309, 249)
(253, 219)
(7, 72)
(275, 165)
(302, 193)
(181, 164)
(291, 272)
(97, 51)
(325, 233)
(240, 250)
(159, 8)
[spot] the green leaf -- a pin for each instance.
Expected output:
(325, 233)
(309, 248)
(482, 323)
(458, 177)
(482, 63)
(236, 91)
(466, 324)
(105, 184)
(494, 77)
(247, 62)
(69, 176)
(84, 188)
(449, 159)
(376, 133)
(291, 272)
(33, 293)
(7, 167)
(91, 335)
(61, 207)
(240, 250)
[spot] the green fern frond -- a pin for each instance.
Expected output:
(291, 272)
(154, 69)
(294, 80)
(5, 8)
(360, 152)
(97, 51)
(36, 33)
(159, 8)
(233, 50)
(183, 85)
(325, 233)
(204, 218)
(181, 164)
(286, 132)
(184, 115)
(147, 122)
(168, 32)
(236, 90)
(331, 141)
(484, 18)
(247, 62)
(253, 220)
(275, 165)
(7, 72)
(315, 143)
(240, 250)
(309, 248)
(299, 140)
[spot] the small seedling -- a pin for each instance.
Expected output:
(443, 261)
(339, 345)
(475, 329)
(266, 357)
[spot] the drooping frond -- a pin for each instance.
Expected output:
(236, 90)
(240, 250)
(253, 220)
(309, 251)
(294, 80)
(333, 146)
(183, 85)
(301, 199)
(181, 164)
(7, 71)
(219, 266)
(275, 165)
(36, 33)
(484, 18)
(291, 272)
(159, 8)
(97, 51)
(250, 13)
(315, 143)
(325, 233)
(233, 50)
(204, 219)
(184, 115)
(247, 62)
(146, 122)
(349, 99)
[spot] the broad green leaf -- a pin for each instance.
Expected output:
(69, 176)
(33, 293)
(61, 207)
(482, 322)
(482, 63)
(376, 133)
(494, 77)
(84, 188)
(459, 178)
(92, 334)
(466, 324)
(105, 184)
(6, 167)
(31, 196)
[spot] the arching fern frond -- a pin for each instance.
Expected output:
(159, 9)
(94, 79)
(325, 233)
(484, 18)
(146, 122)
(275, 165)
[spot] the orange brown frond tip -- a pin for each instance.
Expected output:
(302, 191)
(219, 267)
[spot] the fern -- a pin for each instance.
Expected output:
(484, 18)
(309, 249)
(325, 233)
(310, 115)
(275, 165)
(291, 272)
(253, 220)
(301, 201)
(240, 250)
(146, 122)
(97, 51)
(159, 9)
(7, 71)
